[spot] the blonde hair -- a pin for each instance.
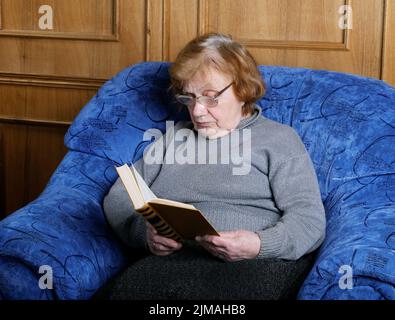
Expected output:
(222, 53)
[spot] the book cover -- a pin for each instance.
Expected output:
(172, 219)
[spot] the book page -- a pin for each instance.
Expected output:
(146, 192)
(131, 186)
(174, 203)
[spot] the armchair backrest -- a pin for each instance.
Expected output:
(346, 122)
(112, 124)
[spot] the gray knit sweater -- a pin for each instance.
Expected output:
(258, 178)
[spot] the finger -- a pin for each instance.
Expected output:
(161, 252)
(217, 251)
(151, 228)
(206, 246)
(209, 247)
(169, 244)
(212, 249)
(158, 249)
(161, 247)
(206, 238)
(220, 255)
(166, 242)
(228, 234)
(214, 241)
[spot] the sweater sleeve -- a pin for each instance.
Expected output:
(301, 229)
(126, 222)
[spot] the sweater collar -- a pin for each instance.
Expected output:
(251, 119)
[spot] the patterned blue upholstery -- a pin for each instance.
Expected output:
(346, 122)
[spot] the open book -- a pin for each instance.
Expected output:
(172, 219)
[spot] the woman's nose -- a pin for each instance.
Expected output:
(198, 109)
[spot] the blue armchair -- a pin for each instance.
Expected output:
(346, 122)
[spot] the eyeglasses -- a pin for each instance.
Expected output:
(189, 99)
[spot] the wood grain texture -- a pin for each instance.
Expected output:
(73, 19)
(51, 81)
(73, 56)
(42, 103)
(284, 20)
(302, 33)
(44, 149)
(180, 25)
(14, 151)
(2, 182)
(30, 156)
(154, 30)
(388, 73)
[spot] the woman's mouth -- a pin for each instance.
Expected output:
(203, 124)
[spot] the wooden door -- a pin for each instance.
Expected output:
(47, 75)
(299, 33)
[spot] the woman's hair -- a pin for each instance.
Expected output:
(220, 52)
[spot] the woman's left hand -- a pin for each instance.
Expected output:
(232, 245)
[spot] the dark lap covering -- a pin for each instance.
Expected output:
(193, 273)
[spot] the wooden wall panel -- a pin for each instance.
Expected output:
(55, 104)
(42, 103)
(180, 25)
(30, 155)
(47, 76)
(2, 172)
(12, 101)
(11, 51)
(285, 20)
(13, 148)
(389, 44)
(33, 121)
(89, 19)
(302, 33)
(154, 31)
(74, 52)
(45, 149)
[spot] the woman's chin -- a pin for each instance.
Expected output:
(212, 133)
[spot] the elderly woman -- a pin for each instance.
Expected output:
(270, 217)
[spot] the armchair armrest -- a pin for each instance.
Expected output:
(64, 229)
(357, 259)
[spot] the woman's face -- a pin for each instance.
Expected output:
(225, 116)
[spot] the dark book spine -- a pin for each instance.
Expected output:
(158, 223)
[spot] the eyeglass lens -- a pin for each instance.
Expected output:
(207, 101)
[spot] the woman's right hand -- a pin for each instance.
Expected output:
(159, 245)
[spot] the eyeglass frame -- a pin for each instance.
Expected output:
(192, 95)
